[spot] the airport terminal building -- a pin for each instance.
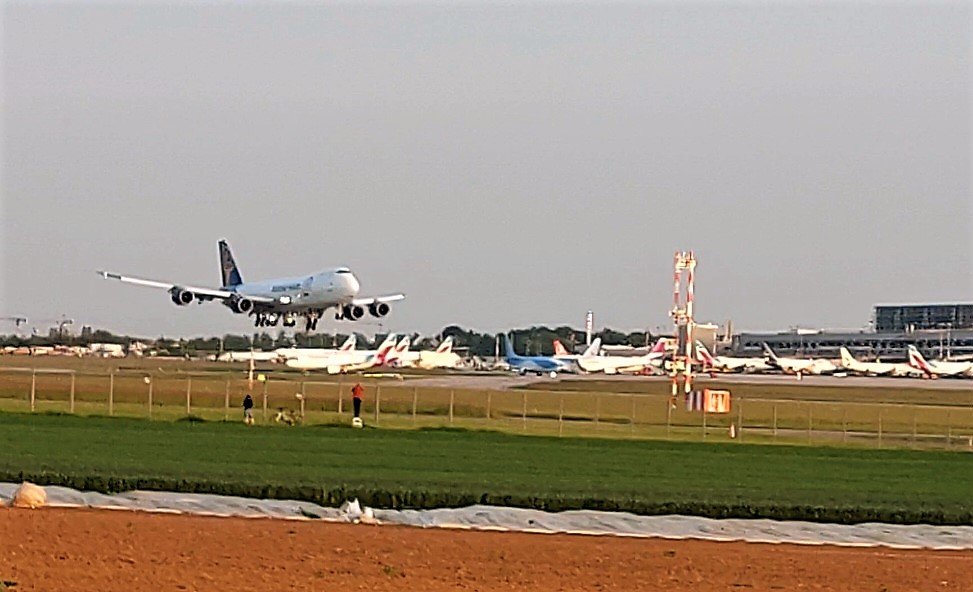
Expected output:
(937, 330)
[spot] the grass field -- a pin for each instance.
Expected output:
(420, 468)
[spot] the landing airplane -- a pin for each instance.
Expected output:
(535, 364)
(727, 363)
(937, 368)
(625, 364)
(346, 361)
(849, 362)
(283, 298)
(799, 365)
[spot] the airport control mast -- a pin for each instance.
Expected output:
(684, 262)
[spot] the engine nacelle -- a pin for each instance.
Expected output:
(378, 309)
(352, 312)
(241, 305)
(182, 297)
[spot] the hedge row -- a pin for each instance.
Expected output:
(404, 498)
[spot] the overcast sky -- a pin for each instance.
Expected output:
(502, 165)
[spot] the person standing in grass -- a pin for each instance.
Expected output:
(248, 409)
(357, 394)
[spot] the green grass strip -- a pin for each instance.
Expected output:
(448, 468)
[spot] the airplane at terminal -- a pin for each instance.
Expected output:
(937, 368)
(536, 364)
(799, 365)
(727, 363)
(442, 357)
(624, 364)
(286, 353)
(282, 298)
(850, 363)
(346, 361)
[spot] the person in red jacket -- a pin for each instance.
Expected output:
(357, 394)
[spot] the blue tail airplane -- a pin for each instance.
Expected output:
(537, 364)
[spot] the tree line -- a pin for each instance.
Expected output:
(537, 340)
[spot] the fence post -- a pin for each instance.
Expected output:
(704, 420)
(340, 401)
(415, 403)
(915, 412)
(775, 421)
(452, 399)
(189, 391)
(740, 421)
(489, 401)
(226, 401)
(111, 393)
(560, 415)
(597, 407)
(265, 399)
(303, 399)
(73, 376)
(33, 388)
(524, 409)
(378, 402)
(879, 427)
(631, 426)
(668, 420)
(949, 429)
(151, 384)
(809, 428)
(844, 424)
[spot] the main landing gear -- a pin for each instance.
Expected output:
(272, 319)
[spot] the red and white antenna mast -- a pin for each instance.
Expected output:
(684, 262)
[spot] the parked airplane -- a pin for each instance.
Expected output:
(286, 353)
(412, 359)
(848, 362)
(536, 364)
(727, 363)
(283, 298)
(625, 364)
(937, 368)
(346, 361)
(442, 357)
(799, 366)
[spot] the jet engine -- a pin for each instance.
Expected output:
(378, 309)
(241, 305)
(352, 312)
(182, 297)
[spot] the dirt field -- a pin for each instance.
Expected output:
(122, 551)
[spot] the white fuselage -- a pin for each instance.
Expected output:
(335, 287)
(618, 364)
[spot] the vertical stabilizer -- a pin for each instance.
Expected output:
(230, 273)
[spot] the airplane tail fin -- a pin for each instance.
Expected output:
(559, 350)
(592, 349)
(349, 343)
(508, 346)
(230, 273)
(660, 346)
(846, 358)
(446, 346)
(386, 347)
(769, 352)
(703, 355)
(916, 360)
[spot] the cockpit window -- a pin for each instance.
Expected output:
(342, 270)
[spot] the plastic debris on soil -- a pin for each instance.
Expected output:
(586, 522)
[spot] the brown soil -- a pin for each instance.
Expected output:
(108, 551)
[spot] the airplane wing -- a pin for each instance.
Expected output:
(378, 299)
(201, 293)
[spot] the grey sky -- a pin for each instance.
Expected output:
(503, 166)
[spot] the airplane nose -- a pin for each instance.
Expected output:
(351, 284)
